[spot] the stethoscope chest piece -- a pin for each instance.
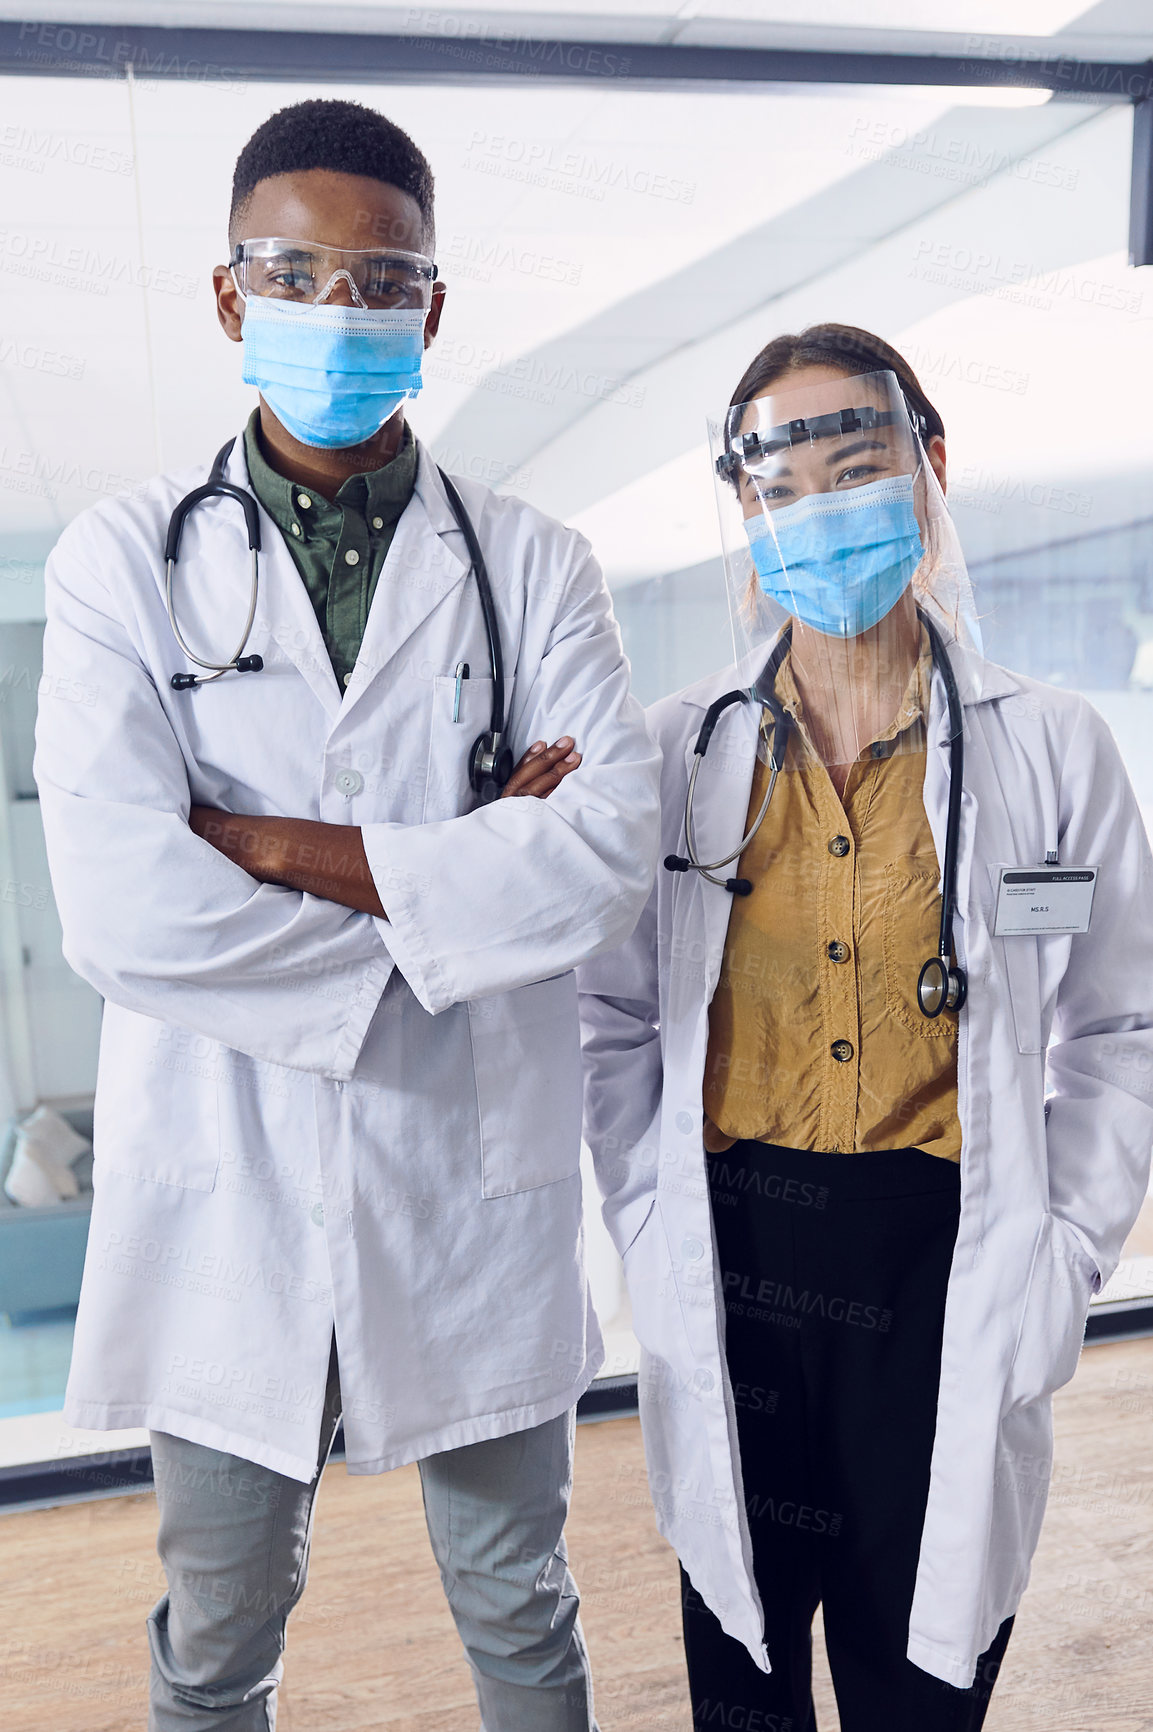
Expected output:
(940, 987)
(490, 766)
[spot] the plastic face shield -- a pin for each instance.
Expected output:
(833, 523)
(305, 271)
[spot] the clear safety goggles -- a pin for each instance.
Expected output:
(288, 270)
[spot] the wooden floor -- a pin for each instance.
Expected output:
(372, 1644)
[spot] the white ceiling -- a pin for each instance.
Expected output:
(1111, 29)
(614, 257)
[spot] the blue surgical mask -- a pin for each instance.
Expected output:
(839, 561)
(332, 375)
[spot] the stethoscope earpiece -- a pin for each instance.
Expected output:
(709, 868)
(244, 665)
(735, 886)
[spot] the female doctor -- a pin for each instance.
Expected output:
(869, 1088)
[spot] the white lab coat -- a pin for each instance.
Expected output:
(305, 1116)
(1049, 1188)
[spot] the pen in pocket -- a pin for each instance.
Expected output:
(461, 676)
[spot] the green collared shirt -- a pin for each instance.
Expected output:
(340, 545)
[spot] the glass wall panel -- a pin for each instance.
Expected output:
(614, 258)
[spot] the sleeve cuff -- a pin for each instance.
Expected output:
(360, 1015)
(401, 931)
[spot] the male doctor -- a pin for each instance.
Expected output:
(338, 1105)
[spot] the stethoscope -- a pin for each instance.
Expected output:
(490, 761)
(941, 984)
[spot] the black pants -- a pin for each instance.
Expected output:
(834, 1270)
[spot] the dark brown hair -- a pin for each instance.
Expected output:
(845, 347)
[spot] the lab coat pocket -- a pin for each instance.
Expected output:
(1022, 973)
(635, 1233)
(1062, 1281)
(656, 1315)
(1023, 978)
(526, 1060)
(447, 790)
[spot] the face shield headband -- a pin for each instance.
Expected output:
(747, 450)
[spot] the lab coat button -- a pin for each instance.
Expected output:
(704, 1382)
(692, 1249)
(685, 1124)
(842, 1051)
(348, 782)
(318, 1214)
(840, 846)
(838, 952)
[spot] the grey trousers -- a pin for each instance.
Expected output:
(234, 1540)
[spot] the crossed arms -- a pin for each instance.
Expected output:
(329, 860)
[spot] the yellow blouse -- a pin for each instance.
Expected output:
(816, 1040)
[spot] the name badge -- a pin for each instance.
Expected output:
(1036, 899)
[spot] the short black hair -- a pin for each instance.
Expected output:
(345, 137)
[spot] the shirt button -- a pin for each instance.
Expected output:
(296, 529)
(840, 846)
(348, 782)
(304, 501)
(838, 952)
(842, 1051)
(352, 557)
(345, 678)
(378, 523)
